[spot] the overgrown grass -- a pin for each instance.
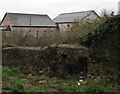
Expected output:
(15, 81)
(64, 37)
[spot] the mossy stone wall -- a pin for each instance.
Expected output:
(56, 60)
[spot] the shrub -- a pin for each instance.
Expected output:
(104, 44)
(62, 37)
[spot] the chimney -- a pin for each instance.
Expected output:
(119, 8)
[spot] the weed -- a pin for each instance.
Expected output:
(14, 88)
(36, 89)
(42, 83)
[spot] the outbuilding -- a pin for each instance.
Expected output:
(35, 24)
(66, 21)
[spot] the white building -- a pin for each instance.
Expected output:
(119, 7)
(67, 20)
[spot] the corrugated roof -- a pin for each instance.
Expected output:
(20, 19)
(71, 17)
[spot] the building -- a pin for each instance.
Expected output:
(35, 24)
(67, 20)
(119, 8)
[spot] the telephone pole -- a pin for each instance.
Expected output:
(30, 23)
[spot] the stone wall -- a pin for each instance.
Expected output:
(56, 60)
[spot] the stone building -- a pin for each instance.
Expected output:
(67, 20)
(34, 24)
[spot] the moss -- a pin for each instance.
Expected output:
(51, 61)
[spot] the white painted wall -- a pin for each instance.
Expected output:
(92, 16)
(119, 7)
(64, 26)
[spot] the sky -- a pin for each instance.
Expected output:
(55, 7)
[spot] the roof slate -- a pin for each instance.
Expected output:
(19, 19)
(71, 17)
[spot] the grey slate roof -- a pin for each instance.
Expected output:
(71, 17)
(19, 19)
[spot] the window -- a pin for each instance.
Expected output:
(21, 33)
(9, 28)
(37, 34)
(68, 25)
(52, 31)
(6, 28)
(29, 31)
(45, 33)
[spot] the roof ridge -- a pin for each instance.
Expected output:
(76, 12)
(27, 14)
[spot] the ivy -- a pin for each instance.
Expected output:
(103, 38)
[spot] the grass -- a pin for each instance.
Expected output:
(15, 81)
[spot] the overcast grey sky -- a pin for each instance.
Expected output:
(55, 7)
